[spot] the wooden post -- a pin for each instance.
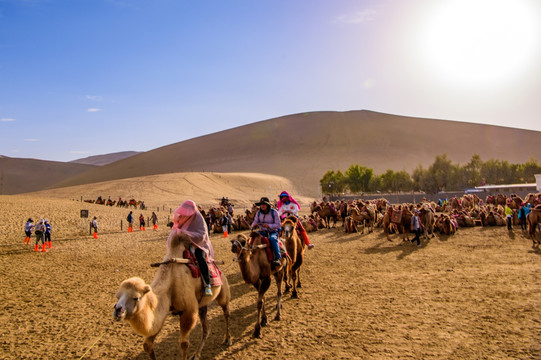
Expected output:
(120, 224)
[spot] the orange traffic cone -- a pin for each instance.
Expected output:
(43, 248)
(36, 248)
(95, 235)
(225, 233)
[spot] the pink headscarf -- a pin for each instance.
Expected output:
(280, 202)
(188, 220)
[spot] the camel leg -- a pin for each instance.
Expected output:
(261, 286)
(286, 281)
(188, 320)
(148, 346)
(264, 286)
(278, 278)
(223, 299)
(205, 333)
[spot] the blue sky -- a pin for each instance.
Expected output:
(89, 77)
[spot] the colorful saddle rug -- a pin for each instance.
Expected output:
(214, 272)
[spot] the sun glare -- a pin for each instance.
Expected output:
(480, 43)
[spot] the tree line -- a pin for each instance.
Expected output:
(442, 175)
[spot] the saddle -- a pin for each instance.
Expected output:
(214, 272)
(265, 241)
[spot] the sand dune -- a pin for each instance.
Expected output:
(303, 147)
(300, 148)
(105, 159)
(24, 175)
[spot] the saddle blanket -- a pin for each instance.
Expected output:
(214, 272)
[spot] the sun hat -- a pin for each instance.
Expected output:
(283, 194)
(264, 200)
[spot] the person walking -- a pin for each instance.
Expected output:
(47, 234)
(94, 226)
(522, 213)
(28, 228)
(508, 216)
(142, 222)
(39, 232)
(188, 220)
(267, 220)
(154, 219)
(416, 227)
(224, 221)
(130, 221)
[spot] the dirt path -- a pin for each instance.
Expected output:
(473, 295)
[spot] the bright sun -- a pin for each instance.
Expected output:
(480, 43)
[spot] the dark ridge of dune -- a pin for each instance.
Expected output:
(104, 159)
(19, 175)
(302, 147)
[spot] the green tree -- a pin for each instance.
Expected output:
(333, 182)
(358, 178)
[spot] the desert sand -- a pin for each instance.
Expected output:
(474, 295)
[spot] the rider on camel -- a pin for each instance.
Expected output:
(288, 206)
(268, 221)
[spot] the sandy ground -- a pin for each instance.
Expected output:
(472, 295)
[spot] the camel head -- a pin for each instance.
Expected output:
(288, 226)
(238, 243)
(131, 296)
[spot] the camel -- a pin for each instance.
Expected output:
(146, 307)
(256, 269)
(349, 225)
(241, 223)
(494, 219)
(500, 199)
(515, 202)
(309, 224)
(534, 219)
(464, 220)
(365, 216)
(445, 225)
(110, 202)
(533, 199)
(250, 214)
(295, 249)
(327, 212)
(427, 221)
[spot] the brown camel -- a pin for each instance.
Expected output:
(366, 216)
(327, 212)
(427, 220)
(295, 249)
(309, 224)
(146, 307)
(534, 219)
(494, 219)
(349, 225)
(444, 224)
(256, 269)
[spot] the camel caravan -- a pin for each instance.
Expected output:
(136, 204)
(444, 217)
(186, 283)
